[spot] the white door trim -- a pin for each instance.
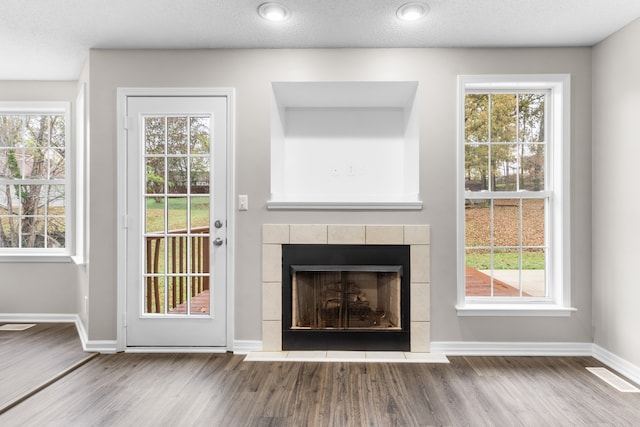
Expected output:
(121, 108)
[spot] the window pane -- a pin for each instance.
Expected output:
(477, 222)
(56, 161)
(200, 135)
(476, 118)
(477, 281)
(533, 273)
(177, 135)
(506, 272)
(504, 167)
(533, 216)
(57, 132)
(476, 163)
(503, 117)
(532, 162)
(53, 197)
(9, 231)
(55, 232)
(506, 222)
(531, 117)
(35, 163)
(32, 232)
(154, 135)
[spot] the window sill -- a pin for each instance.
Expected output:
(35, 258)
(513, 310)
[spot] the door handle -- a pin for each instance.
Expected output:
(218, 242)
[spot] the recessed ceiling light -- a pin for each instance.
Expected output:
(412, 11)
(273, 12)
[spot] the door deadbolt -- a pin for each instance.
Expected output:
(218, 242)
(217, 224)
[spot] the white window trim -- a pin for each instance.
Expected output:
(559, 272)
(47, 255)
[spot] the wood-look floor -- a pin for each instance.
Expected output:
(223, 390)
(35, 356)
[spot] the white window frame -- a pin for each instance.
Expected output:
(47, 254)
(557, 173)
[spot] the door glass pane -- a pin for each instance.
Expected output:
(200, 212)
(177, 212)
(154, 135)
(154, 221)
(154, 294)
(155, 176)
(177, 137)
(177, 174)
(200, 135)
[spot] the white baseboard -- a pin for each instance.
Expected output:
(481, 348)
(246, 346)
(617, 363)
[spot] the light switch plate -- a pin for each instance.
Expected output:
(243, 202)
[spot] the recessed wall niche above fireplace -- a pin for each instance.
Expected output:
(366, 287)
(344, 145)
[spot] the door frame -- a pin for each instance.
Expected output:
(123, 93)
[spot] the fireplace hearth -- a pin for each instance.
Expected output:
(346, 297)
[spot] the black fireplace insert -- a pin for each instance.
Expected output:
(346, 297)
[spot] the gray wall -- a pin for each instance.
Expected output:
(44, 288)
(250, 72)
(616, 198)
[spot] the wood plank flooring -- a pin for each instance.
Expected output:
(34, 356)
(223, 390)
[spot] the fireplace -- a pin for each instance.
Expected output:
(278, 239)
(345, 297)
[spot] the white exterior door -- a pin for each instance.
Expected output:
(176, 225)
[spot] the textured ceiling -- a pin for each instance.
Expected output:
(50, 39)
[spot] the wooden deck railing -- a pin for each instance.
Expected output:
(177, 267)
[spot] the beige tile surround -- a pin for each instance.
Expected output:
(275, 235)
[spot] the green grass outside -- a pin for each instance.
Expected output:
(177, 211)
(506, 261)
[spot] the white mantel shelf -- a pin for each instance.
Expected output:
(319, 205)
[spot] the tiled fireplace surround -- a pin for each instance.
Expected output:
(275, 235)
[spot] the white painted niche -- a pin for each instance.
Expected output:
(344, 145)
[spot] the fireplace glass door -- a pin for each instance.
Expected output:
(346, 297)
